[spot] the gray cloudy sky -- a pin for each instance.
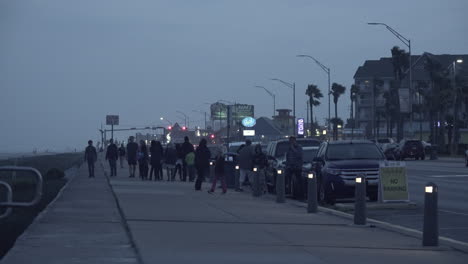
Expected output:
(65, 64)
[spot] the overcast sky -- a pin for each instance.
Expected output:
(65, 64)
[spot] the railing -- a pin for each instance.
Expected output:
(10, 203)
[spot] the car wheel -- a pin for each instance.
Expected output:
(324, 197)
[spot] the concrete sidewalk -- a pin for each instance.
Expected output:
(172, 223)
(83, 225)
(169, 222)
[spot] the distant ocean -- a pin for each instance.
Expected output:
(4, 156)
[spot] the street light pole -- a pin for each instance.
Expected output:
(407, 42)
(186, 118)
(272, 95)
(293, 87)
(327, 71)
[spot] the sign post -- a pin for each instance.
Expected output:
(393, 184)
(300, 127)
(112, 120)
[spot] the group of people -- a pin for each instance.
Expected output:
(188, 162)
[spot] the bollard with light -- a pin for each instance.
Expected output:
(237, 167)
(360, 209)
(280, 189)
(256, 183)
(431, 217)
(312, 203)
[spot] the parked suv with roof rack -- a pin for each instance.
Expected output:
(276, 154)
(338, 163)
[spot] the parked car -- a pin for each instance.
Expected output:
(276, 154)
(466, 158)
(410, 148)
(337, 165)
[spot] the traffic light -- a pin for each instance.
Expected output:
(169, 127)
(212, 136)
(184, 128)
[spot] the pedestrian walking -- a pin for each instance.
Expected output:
(90, 157)
(179, 161)
(294, 163)
(245, 159)
(156, 151)
(187, 148)
(112, 155)
(143, 159)
(202, 163)
(132, 150)
(190, 161)
(260, 162)
(170, 159)
(219, 173)
(122, 155)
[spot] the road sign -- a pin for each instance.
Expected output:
(249, 121)
(393, 182)
(112, 120)
(248, 132)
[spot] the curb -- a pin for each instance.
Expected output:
(452, 243)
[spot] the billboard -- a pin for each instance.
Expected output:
(112, 120)
(218, 111)
(241, 111)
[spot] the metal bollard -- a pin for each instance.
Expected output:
(236, 178)
(431, 221)
(360, 209)
(256, 183)
(312, 193)
(280, 191)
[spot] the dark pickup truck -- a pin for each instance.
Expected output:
(337, 165)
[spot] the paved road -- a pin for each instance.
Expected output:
(452, 179)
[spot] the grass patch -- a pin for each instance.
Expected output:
(52, 168)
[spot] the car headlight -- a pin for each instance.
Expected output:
(333, 171)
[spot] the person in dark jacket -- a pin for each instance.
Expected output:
(294, 159)
(132, 150)
(122, 155)
(187, 148)
(260, 162)
(156, 151)
(202, 163)
(170, 159)
(112, 155)
(90, 157)
(143, 159)
(219, 173)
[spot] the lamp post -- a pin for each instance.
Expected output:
(293, 87)
(201, 112)
(165, 119)
(327, 71)
(271, 94)
(407, 42)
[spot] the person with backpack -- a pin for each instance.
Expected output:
(187, 148)
(112, 155)
(170, 159)
(156, 151)
(202, 163)
(122, 155)
(143, 160)
(132, 150)
(260, 162)
(190, 163)
(219, 173)
(90, 157)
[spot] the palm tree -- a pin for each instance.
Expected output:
(400, 61)
(376, 89)
(337, 90)
(314, 94)
(353, 96)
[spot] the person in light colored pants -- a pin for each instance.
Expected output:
(243, 174)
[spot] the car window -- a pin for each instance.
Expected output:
(281, 149)
(353, 152)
